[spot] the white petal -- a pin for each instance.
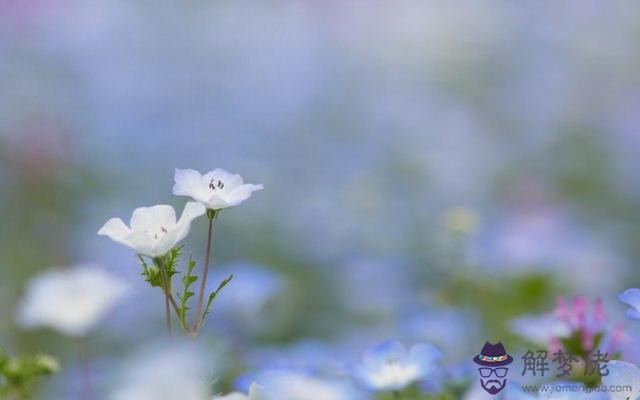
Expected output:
(114, 228)
(216, 203)
(191, 211)
(146, 218)
(242, 193)
(232, 396)
(143, 244)
(231, 181)
(256, 392)
(622, 373)
(188, 182)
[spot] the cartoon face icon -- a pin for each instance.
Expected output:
(493, 360)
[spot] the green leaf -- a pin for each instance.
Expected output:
(171, 261)
(151, 273)
(187, 281)
(212, 297)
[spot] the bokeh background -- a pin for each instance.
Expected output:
(432, 169)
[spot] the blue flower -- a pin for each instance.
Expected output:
(291, 384)
(623, 374)
(632, 298)
(389, 366)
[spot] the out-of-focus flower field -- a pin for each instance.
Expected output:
(436, 175)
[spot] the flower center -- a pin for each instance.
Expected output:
(215, 184)
(161, 232)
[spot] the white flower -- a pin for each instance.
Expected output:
(71, 301)
(298, 385)
(165, 372)
(255, 393)
(540, 328)
(623, 374)
(216, 189)
(389, 366)
(153, 230)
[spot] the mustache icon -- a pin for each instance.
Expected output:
(493, 383)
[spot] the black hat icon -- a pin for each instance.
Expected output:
(493, 355)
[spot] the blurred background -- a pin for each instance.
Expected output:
(433, 171)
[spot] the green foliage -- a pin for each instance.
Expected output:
(213, 296)
(19, 374)
(187, 281)
(574, 344)
(500, 300)
(171, 260)
(160, 274)
(167, 264)
(151, 273)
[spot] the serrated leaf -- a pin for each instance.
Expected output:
(151, 273)
(213, 296)
(187, 281)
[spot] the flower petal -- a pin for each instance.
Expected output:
(143, 243)
(426, 356)
(385, 351)
(147, 218)
(631, 297)
(191, 211)
(216, 203)
(242, 193)
(188, 182)
(624, 374)
(231, 181)
(115, 229)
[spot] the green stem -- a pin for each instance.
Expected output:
(203, 283)
(166, 290)
(397, 395)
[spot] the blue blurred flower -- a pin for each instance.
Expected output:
(253, 286)
(289, 384)
(622, 373)
(308, 354)
(632, 298)
(447, 328)
(389, 366)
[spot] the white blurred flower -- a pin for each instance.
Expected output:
(255, 393)
(389, 366)
(540, 329)
(623, 374)
(153, 230)
(166, 373)
(71, 301)
(216, 189)
(297, 385)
